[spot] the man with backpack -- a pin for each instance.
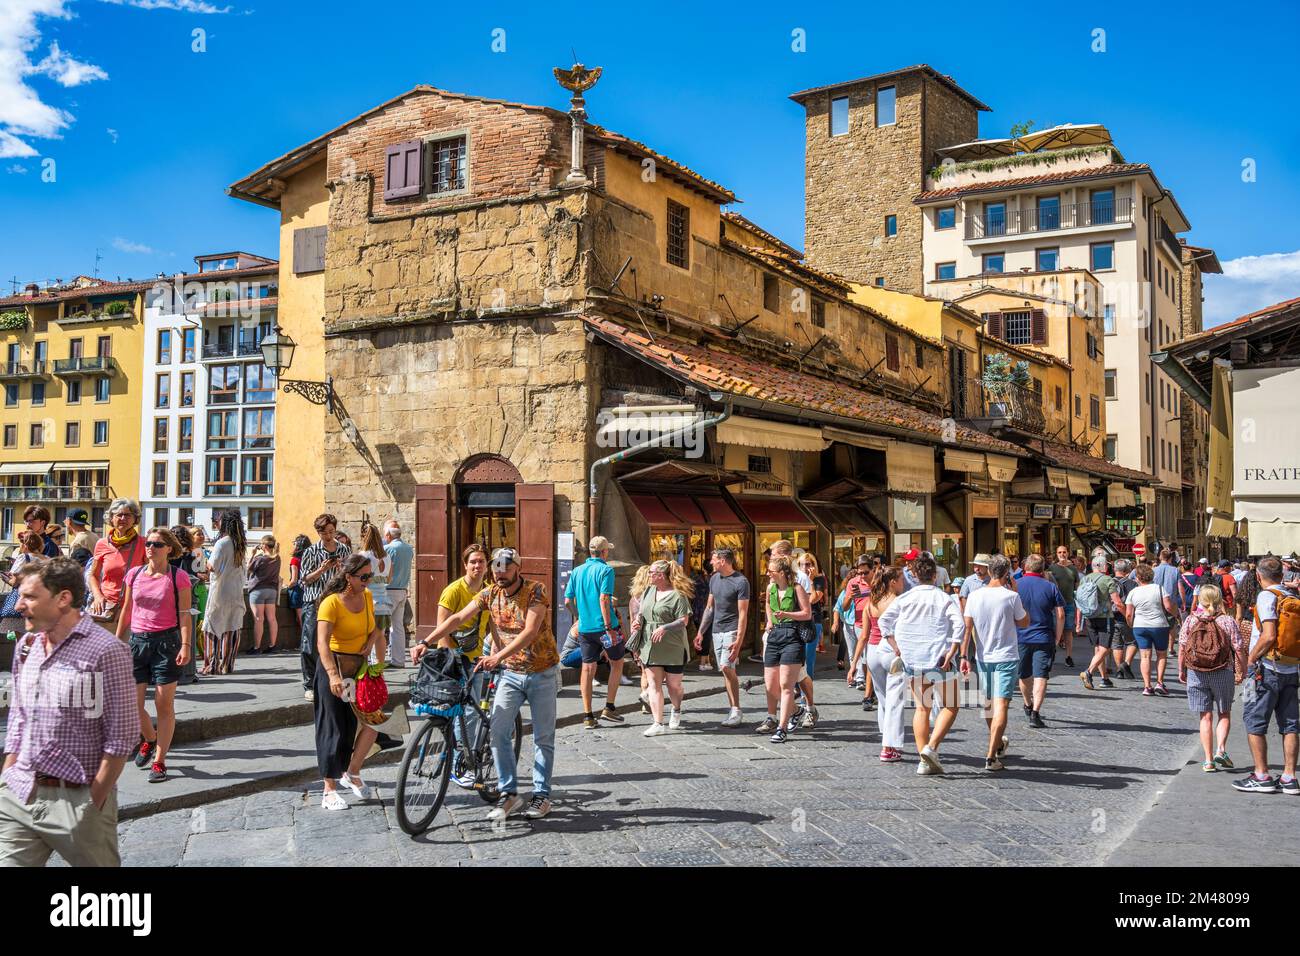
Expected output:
(1272, 681)
(1094, 604)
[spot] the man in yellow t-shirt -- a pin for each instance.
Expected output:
(469, 639)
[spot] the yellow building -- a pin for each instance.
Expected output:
(71, 376)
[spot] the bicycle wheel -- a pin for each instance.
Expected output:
(422, 780)
(489, 791)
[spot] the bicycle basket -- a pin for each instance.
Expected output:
(440, 682)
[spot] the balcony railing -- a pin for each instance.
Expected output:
(19, 370)
(96, 365)
(1004, 406)
(57, 493)
(1171, 241)
(247, 348)
(1016, 222)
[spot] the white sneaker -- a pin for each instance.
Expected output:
(356, 785)
(929, 758)
(705, 668)
(309, 695)
(733, 719)
(507, 805)
(674, 720)
(624, 681)
(333, 801)
(655, 730)
(596, 683)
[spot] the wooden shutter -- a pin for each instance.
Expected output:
(993, 324)
(404, 170)
(535, 534)
(1038, 327)
(891, 352)
(309, 249)
(432, 565)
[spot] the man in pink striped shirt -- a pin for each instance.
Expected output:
(72, 724)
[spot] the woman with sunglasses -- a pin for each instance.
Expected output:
(346, 633)
(160, 632)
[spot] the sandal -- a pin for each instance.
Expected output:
(333, 800)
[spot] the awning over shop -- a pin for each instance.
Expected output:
(909, 468)
(773, 511)
(761, 433)
(1147, 495)
(847, 437)
(654, 511)
(683, 511)
(1223, 528)
(691, 474)
(1078, 483)
(956, 460)
(79, 465)
(1274, 525)
(684, 507)
(1118, 495)
(840, 520)
(1056, 478)
(26, 467)
(1001, 467)
(718, 513)
(841, 490)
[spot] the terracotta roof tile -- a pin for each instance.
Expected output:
(1097, 172)
(752, 378)
(1074, 458)
(86, 292)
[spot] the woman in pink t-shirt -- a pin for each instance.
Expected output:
(153, 596)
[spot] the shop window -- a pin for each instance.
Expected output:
(760, 464)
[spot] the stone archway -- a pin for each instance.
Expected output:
(487, 469)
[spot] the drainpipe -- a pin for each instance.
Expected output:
(593, 512)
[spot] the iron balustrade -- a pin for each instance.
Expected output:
(1019, 222)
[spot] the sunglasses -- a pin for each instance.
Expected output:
(363, 577)
(156, 544)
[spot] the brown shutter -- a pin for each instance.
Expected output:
(403, 170)
(993, 324)
(432, 510)
(535, 532)
(1038, 327)
(891, 352)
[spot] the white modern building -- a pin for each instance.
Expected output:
(1066, 199)
(208, 435)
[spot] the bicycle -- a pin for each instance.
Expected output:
(427, 761)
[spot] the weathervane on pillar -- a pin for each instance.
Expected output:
(577, 80)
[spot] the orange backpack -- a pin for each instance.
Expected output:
(1286, 650)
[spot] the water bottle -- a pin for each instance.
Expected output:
(11, 636)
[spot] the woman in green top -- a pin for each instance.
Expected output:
(783, 648)
(659, 639)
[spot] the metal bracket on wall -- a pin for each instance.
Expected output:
(318, 393)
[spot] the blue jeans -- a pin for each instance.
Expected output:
(472, 716)
(810, 652)
(540, 691)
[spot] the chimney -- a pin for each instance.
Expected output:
(32, 289)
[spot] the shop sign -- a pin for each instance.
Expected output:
(1044, 511)
(1063, 511)
(1015, 509)
(983, 507)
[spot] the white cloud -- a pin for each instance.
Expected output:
(16, 168)
(66, 70)
(22, 112)
(1251, 283)
(112, 132)
(185, 6)
(126, 245)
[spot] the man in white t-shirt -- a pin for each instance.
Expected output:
(992, 615)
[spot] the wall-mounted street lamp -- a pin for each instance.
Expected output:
(277, 355)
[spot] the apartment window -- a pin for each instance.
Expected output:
(1103, 256)
(1049, 212)
(448, 156)
(891, 225)
(74, 348)
(257, 475)
(74, 391)
(164, 347)
(945, 217)
(184, 478)
(259, 427)
(1108, 319)
(1149, 395)
(1094, 411)
(223, 431)
(1112, 447)
(1038, 390)
(920, 356)
(259, 384)
(223, 384)
(1017, 327)
(11, 395)
(1060, 398)
(995, 219)
(11, 436)
(38, 393)
(880, 282)
(942, 270)
(1094, 347)
(1150, 452)
(221, 475)
(1048, 259)
(679, 235)
(187, 389)
(37, 436)
(160, 430)
(160, 479)
(993, 262)
(891, 352)
(771, 293)
(185, 433)
(185, 516)
(101, 433)
(819, 313)
(260, 519)
(189, 342)
(1110, 391)
(1163, 460)
(760, 464)
(101, 389)
(1078, 406)
(164, 391)
(104, 346)
(839, 116)
(886, 106)
(1102, 207)
(161, 518)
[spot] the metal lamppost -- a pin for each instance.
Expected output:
(277, 355)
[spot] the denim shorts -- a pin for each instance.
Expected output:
(1036, 660)
(722, 642)
(999, 680)
(1274, 695)
(1149, 637)
(153, 657)
(1069, 617)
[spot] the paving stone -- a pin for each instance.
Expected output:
(679, 858)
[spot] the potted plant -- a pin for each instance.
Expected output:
(1000, 375)
(13, 319)
(115, 308)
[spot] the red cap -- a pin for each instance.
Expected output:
(912, 555)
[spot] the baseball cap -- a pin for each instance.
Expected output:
(503, 558)
(1203, 561)
(599, 543)
(862, 561)
(1225, 564)
(911, 555)
(79, 516)
(982, 560)
(958, 582)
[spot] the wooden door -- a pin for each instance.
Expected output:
(432, 564)
(535, 531)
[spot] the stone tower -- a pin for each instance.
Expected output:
(862, 168)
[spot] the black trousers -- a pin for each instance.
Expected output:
(307, 644)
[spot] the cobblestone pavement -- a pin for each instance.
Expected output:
(706, 796)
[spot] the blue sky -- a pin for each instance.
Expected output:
(145, 133)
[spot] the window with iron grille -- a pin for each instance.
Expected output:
(760, 464)
(1016, 327)
(819, 313)
(448, 161)
(679, 233)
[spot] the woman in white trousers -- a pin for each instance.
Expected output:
(881, 653)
